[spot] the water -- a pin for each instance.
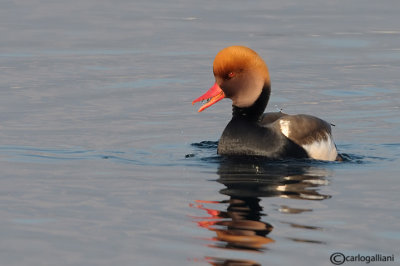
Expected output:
(105, 161)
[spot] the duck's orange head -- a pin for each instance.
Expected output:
(240, 74)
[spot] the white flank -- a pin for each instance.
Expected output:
(285, 127)
(322, 150)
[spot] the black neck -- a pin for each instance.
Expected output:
(254, 111)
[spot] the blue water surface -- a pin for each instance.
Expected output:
(105, 161)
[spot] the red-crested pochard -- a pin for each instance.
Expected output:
(242, 76)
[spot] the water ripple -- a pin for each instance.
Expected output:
(200, 154)
(206, 151)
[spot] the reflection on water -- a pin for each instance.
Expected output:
(230, 262)
(239, 222)
(239, 227)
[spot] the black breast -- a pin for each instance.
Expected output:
(244, 137)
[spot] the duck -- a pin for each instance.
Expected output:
(242, 76)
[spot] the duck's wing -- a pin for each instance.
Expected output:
(268, 118)
(311, 133)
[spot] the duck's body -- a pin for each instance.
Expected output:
(244, 137)
(243, 76)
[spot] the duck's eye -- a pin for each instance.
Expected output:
(230, 75)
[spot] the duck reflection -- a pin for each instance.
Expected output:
(296, 181)
(240, 224)
(239, 227)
